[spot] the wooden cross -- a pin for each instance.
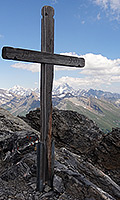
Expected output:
(47, 58)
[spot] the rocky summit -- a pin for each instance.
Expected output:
(87, 161)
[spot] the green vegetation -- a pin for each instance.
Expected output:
(106, 120)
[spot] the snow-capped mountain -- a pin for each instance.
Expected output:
(60, 92)
(109, 96)
(23, 99)
(63, 89)
(5, 96)
(95, 104)
(19, 100)
(18, 90)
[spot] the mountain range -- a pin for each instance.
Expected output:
(101, 106)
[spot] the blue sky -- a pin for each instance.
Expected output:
(87, 28)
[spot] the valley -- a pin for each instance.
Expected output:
(104, 113)
(99, 106)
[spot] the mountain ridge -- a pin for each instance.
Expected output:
(103, 107)
(62, 89)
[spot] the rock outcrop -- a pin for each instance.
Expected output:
(76, 174)
(8, 122)
(108, 151)
(81, 135)
(70, 129)
(107, 155)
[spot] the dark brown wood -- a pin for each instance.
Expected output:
(41, 57)
(47, 45)
(40, 149)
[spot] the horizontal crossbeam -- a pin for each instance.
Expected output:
(41, 57)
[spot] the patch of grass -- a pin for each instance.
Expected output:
(109, 118)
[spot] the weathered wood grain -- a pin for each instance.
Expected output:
(41, 57)
(47, 70)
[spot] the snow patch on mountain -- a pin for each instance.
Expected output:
(63, 89)
(19, 90)
(60, 92)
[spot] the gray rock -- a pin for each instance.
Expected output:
(82, 136)
(19, 196)
(82, 179)
(10, 123)
(70, 129)
(58, 184)
(47, 189)
(77, 173)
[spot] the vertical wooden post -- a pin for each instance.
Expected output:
(45, 147)
(39, 166)
(47, 45)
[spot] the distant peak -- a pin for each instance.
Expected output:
(16, 87)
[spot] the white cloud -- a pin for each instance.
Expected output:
(98, 71)
(63, 68)
(77, 83)
(83, 22)
(36, 83)
(99, 65)
(103, 3)
(98, 16)
(112, 8)
(54, 1)
(30, 67)
(69, 54)
(35, 67)
(91, 82)
(115, 5)
(96, 65)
